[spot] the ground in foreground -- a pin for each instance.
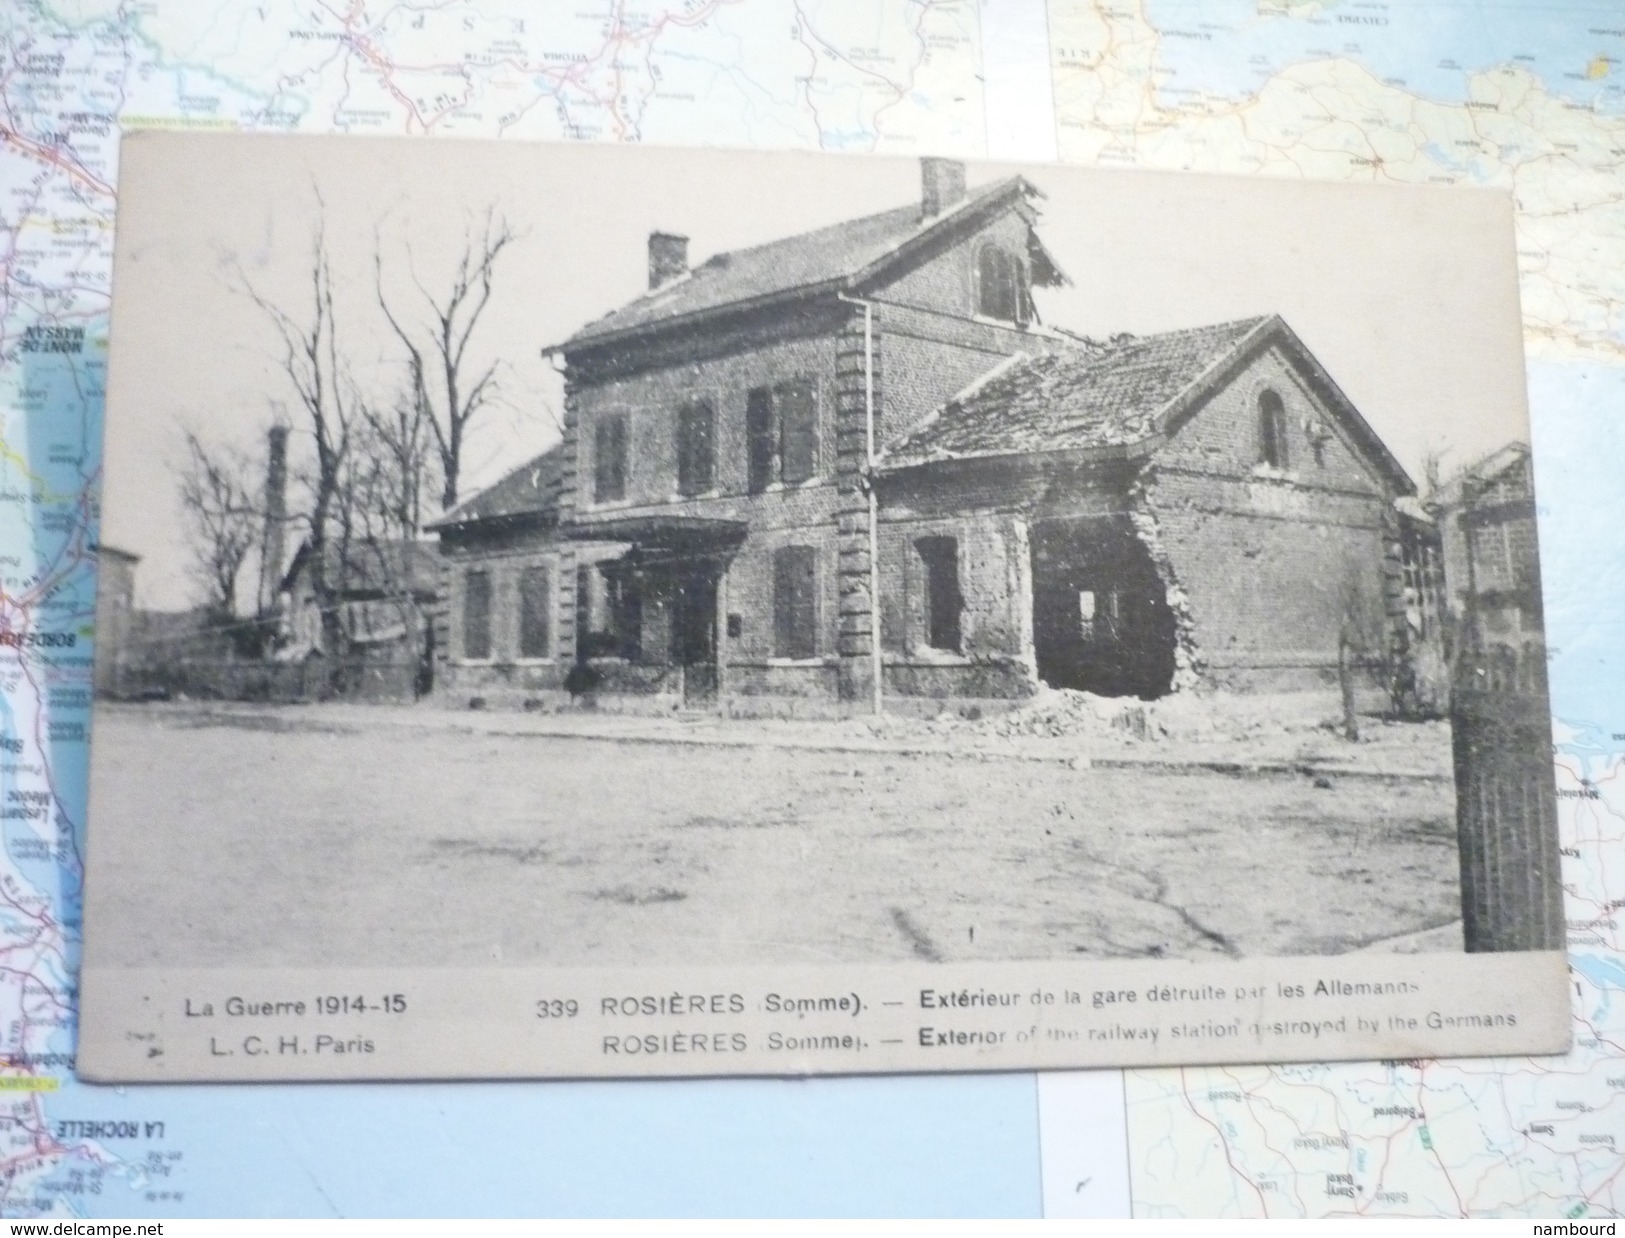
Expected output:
(301, 837)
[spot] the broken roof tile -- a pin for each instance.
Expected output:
(1083, 395)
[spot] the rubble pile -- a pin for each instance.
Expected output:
(1057, 712)
(1287, 724)
(1183, 718)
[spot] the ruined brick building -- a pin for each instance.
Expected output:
(772, 456)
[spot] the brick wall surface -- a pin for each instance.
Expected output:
(650, 400)
(505, 557)
(1273, 561)
(923, 371)
(946, 280)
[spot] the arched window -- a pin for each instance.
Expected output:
(998, 285)
(1272, 430)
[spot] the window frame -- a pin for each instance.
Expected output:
(807, 429)
(787, 563)
(938, 554)
(687, 446)
(487, 578)
(761, 440)
(623, 477)
(1016, 278)
(1104, 626)
(547, 612)
(625, 628)
(1273, 451)
(770, 433)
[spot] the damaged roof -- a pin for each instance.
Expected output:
(1487, 474)
(531, 490)
(840, 257)
(1086, 395)
(1117, 394)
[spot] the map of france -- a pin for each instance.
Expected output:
(1340, 89)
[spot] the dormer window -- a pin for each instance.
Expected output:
(1272, 431)
(999, 285)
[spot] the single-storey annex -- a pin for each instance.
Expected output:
(772, 457)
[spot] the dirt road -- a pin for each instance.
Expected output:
(294, 837)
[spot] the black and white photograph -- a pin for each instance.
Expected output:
(570, 557)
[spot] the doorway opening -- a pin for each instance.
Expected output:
(694, 632)
(1101, 619)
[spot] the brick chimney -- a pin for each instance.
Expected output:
(273, 545)
(942, 185)
(668, 258)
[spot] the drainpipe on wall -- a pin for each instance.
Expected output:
(877, 672)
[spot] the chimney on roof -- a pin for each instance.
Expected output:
(668, 258)
(942, 184)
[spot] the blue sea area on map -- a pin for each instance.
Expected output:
(1579, 441)
(922, 1146)
(1229, 48)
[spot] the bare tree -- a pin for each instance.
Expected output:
(319, 374)
(222, 519)
(392, 466)
(448, 393)
(403, 461)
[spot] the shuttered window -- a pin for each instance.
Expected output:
(795, 602)
(696, 447)
(943, 603)
(998, 285)
(477, 614)
(609, 458)
(761, 439)
(781, 433)
(798, 429)
(535, 629)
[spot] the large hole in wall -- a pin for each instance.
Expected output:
(1101, 620)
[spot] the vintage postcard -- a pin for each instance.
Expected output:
(592, 611)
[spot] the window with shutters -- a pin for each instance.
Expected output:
(696, 447)
(535, 628)
(477, 614)
(999, 285)
(795, 602)
(781, 434)
(943, 603)
(798, 429)
(609, 458)
(761, 439)
(1272, 430)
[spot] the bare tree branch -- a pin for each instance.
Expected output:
(318, 371)
(438, 351)
(222, 519)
